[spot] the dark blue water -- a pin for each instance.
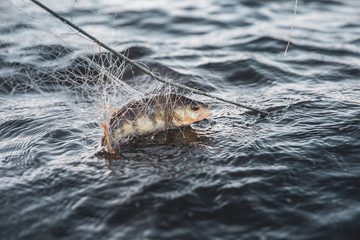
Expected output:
(292, 175)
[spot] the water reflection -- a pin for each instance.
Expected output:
(160, 151)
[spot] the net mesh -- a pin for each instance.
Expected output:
(64, 61)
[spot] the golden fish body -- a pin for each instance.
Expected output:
(156, 114)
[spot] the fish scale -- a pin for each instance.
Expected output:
(153, 115)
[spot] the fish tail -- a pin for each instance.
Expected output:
(107, 139)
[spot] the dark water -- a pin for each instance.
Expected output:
(292, 175)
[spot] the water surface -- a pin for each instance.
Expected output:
(291, 175)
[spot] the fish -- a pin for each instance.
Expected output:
(151, 115)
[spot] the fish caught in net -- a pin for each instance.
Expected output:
(126, 102)
(152, 115)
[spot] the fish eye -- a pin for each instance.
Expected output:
(195, 108)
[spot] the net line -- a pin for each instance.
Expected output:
(145, 70)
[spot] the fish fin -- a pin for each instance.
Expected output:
(107, 139)
(111, 108)
(114, 109)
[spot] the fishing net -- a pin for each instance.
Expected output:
(57, 59)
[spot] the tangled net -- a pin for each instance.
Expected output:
(87, 73)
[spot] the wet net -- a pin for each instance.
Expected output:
(60, 60)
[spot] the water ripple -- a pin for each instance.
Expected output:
(290, 175)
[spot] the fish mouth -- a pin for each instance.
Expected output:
(204, 114)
